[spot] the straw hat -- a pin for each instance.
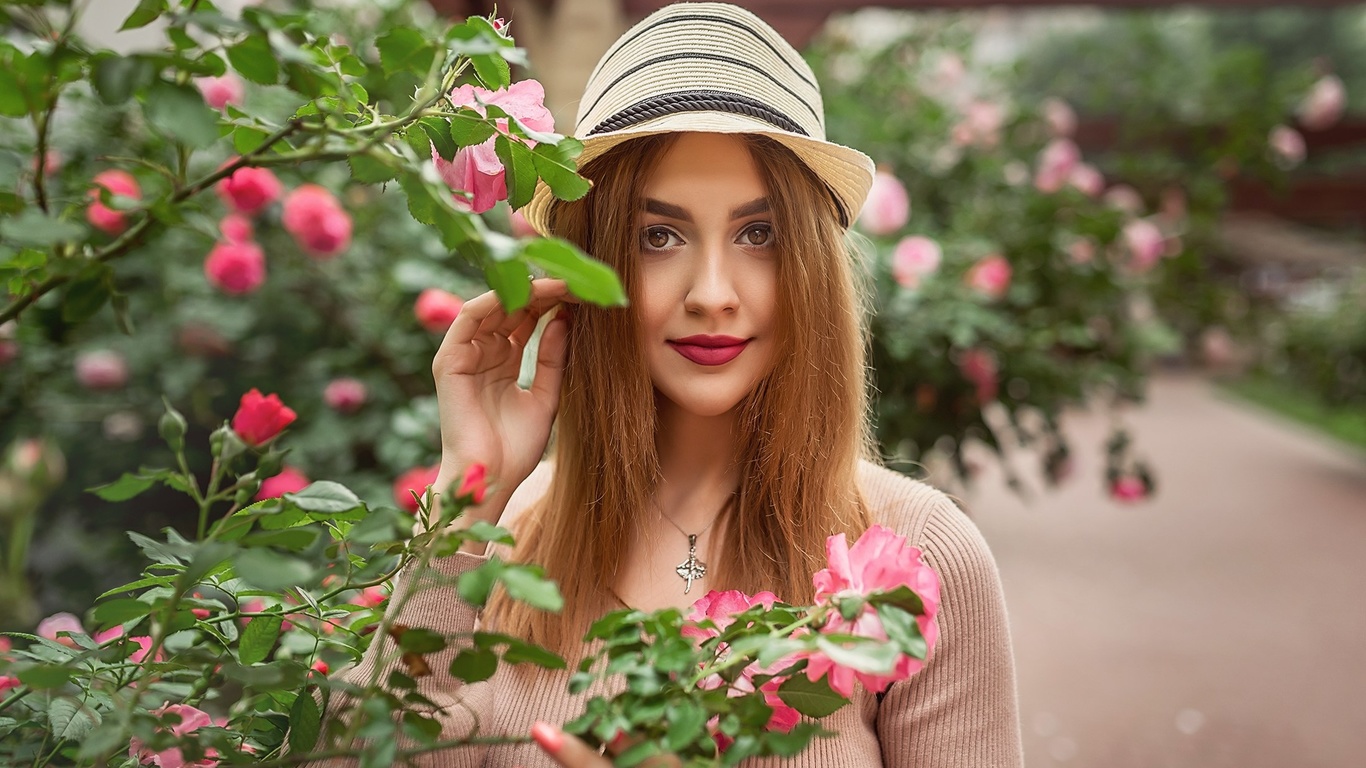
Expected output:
(716, 68)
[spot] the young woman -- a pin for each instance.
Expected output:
(715, 432)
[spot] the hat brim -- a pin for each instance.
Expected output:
(847, 172)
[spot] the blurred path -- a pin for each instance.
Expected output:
(1222, 624)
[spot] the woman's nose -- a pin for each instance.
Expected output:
(713, 288)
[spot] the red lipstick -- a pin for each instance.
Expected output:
(709, 350)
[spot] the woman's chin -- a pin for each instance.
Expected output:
(702, 401)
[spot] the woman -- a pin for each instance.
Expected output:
(713, 434)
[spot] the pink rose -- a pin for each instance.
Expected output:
(888, 206)
(118, 184)
(880, 561)
(320, 666)
(476, 170)
(914, 259)
(290, 480)
(101, 369)
(1056, 163)
(260, 418)
(218, 92)
(1123, 197)
(236, 268)
(345, 394)
(979, 367)
(317, 221)
(1145, 243)
(1081, 251)
(721, 608)
(415, 480)
(1128, 488)
(1086, 178)
(980, 126)
(990, 276)
(143, 643)
(370, 597)
(1323, 105)
(59, 624)
(1062, 121)
(437, 309)
(8, 681)
(236, 228)
(520, 226)
(249, 190)
(191, 720)
(1287, 147)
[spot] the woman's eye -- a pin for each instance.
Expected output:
(759, 234)
(656, 237)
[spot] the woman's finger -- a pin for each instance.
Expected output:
(550, 360)
(566, 749)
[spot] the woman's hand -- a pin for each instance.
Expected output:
(485, 416)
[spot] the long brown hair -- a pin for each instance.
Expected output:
(805, 424)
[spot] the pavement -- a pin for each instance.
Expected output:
(1221, 623)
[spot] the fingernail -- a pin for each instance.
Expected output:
(547, 737)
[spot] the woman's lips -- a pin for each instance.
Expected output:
(709, 350)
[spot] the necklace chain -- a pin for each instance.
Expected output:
(692, 568)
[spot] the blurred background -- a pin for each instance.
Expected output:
(1117, 253)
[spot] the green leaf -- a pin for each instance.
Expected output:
(811, 699)
(246, 139)
(438, 131)
(95, 748)
(902, 597)
(123, 489)
(112, 612)
(33, 227)
(254, 60)
(70, 719)
(258, 638)
(45, 676)
(469, 128)
(511, 281)
(587, 277)
(519, 651)
(685, 720)
(369, 170)
(87, 295)
(270, 570)
(146, 13)
(519, 167)
(555, 163)
(404, 49)
(474, 586)
(420, 203)
(484, 531)
(419, 640)
(867, 656)
(12, 102)
(474, 665)
(493, 70)
(116, 78)
(902, 629)
(326, 497)
(305, 722)
(529, 585)
(179, 111)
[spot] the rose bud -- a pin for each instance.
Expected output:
(249, 190)
(317, 222)
(345, 395)
(218, 92)
(101, 369)
(261, 417)
(437, 309)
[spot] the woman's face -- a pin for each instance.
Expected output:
(708, 274)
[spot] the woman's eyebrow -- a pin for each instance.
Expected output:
(757, 205)
(661, 208)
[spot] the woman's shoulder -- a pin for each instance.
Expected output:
(925, 515)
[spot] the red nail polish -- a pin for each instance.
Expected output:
(547, 737)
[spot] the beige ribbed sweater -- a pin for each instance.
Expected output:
(959, 712)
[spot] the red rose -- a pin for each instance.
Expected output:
(236, 228)
(415, 480)
(437, 309)
(261, 417)
(249, 190)
(475, 483)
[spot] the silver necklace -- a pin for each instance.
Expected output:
(692, 568)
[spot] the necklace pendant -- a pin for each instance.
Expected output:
(692, 568)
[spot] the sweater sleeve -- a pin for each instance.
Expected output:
(961, 710)
(437, 607)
